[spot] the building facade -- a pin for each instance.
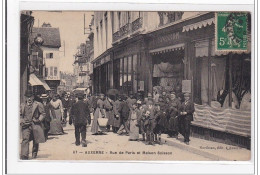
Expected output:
(50, 54)
(26, 25)
(81, 66)
(122, 46)
(175, 51)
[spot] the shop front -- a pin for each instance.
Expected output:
(128, 64)
(103, 74)
(221, 86)
(168, 55)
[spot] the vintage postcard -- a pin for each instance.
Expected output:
(135, 85)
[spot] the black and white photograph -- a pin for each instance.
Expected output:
(135, 85)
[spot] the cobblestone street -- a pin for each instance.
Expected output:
(108, 147)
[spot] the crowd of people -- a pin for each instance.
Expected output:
(133, 115)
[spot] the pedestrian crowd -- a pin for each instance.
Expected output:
(133, 115)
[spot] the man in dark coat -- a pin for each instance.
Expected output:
(31, 113)
(47, 118)
(66, 103)
(80, 117)
(124, 114)
(173, 127)
(186, 114)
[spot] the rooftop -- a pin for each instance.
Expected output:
(50, 36)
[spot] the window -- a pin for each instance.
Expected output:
(46, 72)
(121, 71)
(128, 17)
(106, 33)
(101, 34)
(119, 20)
(35, 61)
(51, 71)
(97, 38)
(49, 55)
(55, 71)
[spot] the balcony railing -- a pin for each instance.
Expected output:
(128, 29)
(116, 36)
(137, 24)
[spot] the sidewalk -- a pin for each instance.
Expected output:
(213, 150)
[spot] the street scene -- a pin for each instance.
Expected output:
(133, 85)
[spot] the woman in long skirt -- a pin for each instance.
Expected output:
(134, 118)
(99, 112)
(56, 112)
(108, 106)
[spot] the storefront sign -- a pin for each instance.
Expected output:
(52, 78)
(186, 86)
(165, 40)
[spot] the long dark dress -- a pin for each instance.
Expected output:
(173, 114)
(95, 128)
(56, 116)
(134, 127)
(108, 106)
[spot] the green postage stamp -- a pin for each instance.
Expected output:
(231, 31)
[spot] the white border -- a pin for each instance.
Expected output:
(73, 167)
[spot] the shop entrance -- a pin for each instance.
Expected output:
(168, 71)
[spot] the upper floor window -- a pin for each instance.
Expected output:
(49, 55)
(51, 71)
(119, 20)
(168, 17)
(55, 71)
(46, 72)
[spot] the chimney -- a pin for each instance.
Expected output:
(46, 25)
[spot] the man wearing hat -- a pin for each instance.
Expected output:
(173, 127)
(124, 114)
(80, 117)
(186, 114)
(47, 118)
(32, 114)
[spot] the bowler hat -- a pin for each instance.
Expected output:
(28, 93)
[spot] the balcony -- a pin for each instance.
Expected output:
(127, 29)
(137, 24)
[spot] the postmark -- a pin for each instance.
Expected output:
(231, 31)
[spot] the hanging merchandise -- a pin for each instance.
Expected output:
(166, 70)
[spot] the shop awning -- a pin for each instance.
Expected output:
(45, 85)
(199, 25)
(167, 49)
(35, 81)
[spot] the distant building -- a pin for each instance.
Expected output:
(50, 54)
(67, 83)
